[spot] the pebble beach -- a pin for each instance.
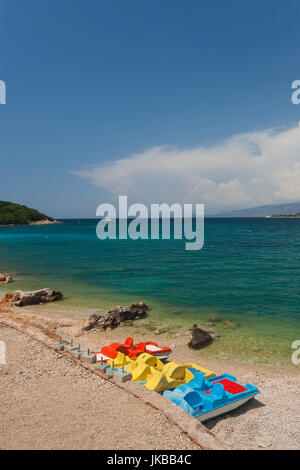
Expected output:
(61, 406)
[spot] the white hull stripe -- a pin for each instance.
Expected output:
(223, 409)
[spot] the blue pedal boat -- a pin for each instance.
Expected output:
(208, 398)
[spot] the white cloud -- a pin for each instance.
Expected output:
(243, 171)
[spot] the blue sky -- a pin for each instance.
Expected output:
(92, 86)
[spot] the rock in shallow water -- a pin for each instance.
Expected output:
(5, 279)
(231, 324)
(215, 320)
(199, 338)
(114, 317)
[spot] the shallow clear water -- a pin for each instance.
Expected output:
(247, 272)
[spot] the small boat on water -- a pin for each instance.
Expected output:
(206, 398)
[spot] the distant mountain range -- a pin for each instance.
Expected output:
(264, 211)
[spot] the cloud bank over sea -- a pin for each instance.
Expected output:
(244, 170)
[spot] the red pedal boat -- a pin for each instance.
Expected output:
(131, 350)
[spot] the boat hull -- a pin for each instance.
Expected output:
(223, 409)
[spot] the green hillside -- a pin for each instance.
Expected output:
(16, 214)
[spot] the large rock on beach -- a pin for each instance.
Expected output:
(199, 338)
(21, 299)
(114, 317)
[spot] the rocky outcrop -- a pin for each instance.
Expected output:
(21, 299)
(43, 222)
(199, 338)
(114, 317)
(5, 279)
(139, 308)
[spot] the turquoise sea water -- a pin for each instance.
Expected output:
(248, 272)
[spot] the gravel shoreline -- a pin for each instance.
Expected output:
(48, 402)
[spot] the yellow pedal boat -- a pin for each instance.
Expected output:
(143, 366)
(132, 363)
(172, 375)
(121, 361)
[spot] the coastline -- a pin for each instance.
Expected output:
(282, 217)
(257, 320)
(257, 425)
(69, 327)
(246, 340)
(34, 223)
